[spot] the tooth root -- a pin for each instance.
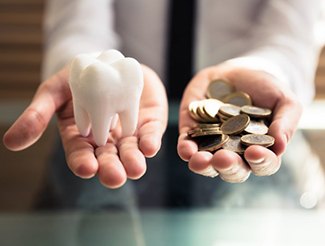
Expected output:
(82, 119)
(128, 119)
(114, 121)
(100, 127)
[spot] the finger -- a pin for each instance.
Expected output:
(186, 148)
(262, 161)
(285, 120)
(150, 132)
(79, 152)
(150, 138)
(230, 166)
(153, 114)
(29, 127)
(131, 157)
(199, 163)
(111, 172)
(195, 91)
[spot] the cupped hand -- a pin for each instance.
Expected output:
(265, 91)
(120, 158)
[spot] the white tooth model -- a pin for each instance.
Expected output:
(105, 86)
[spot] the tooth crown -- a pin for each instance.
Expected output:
(104, 86)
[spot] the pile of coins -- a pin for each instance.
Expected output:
(227, 119)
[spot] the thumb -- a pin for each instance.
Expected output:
(284, 124)
(31, 124)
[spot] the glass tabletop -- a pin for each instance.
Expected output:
(172, 206)
(165, 227)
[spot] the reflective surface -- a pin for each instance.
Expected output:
(172, 206)
(160, 227)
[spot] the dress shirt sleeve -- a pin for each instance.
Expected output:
(284, 43)
(73, 27)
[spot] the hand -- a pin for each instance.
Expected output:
(120, 158)
(265, 91)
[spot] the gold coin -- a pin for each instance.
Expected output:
(219, 88)
(238, 98)
(229, 110)
(207, 132)
(193, 131)
(215, 128)
(206, 125)
(235, 125)
(256, 112)
(234, 144)
(256, 127)
(223, 118)
(212, 143)
(211, 107)
(197, 129)
(257, 139)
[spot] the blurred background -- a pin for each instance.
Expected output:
(22, 173)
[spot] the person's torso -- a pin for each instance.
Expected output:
(222, 30)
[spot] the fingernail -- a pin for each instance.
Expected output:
(257, 161)
(234, 169)
(236, 175)
(209, 172)
(286, 138)
(263, 168)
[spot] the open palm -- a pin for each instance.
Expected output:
(120, 158)
(265, 91)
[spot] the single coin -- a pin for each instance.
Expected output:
(211, 107)
(256, 112)
(219, 88)
(234, 144)
(211, 143)
(229, 110)
(235, 125)
(256, 127)
(198, 130)
(223, 118)
(207, 125)
(215, 128)
(207, 132)
(238, 98)
(256, 139)
(193, 131)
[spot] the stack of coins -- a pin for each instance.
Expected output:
(227, 119)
